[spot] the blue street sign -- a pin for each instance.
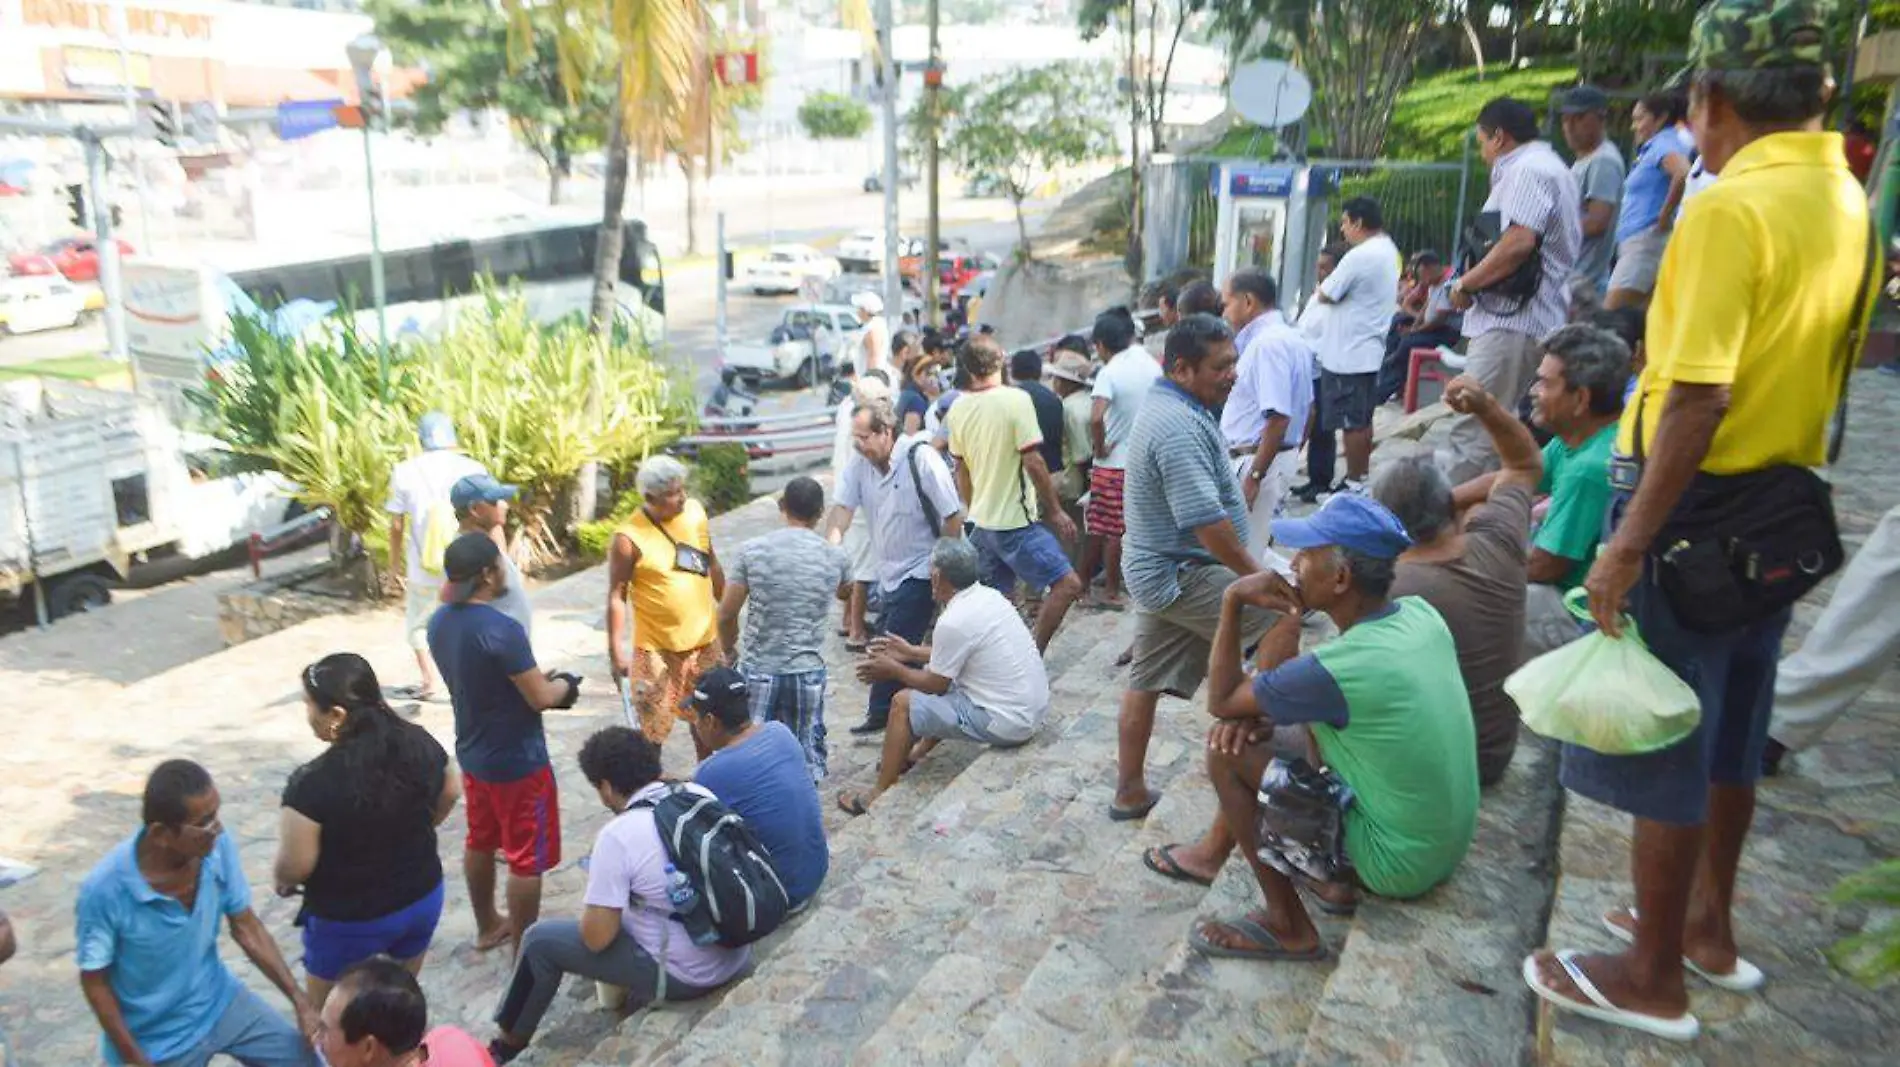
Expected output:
(1261, 181)
(301, 118)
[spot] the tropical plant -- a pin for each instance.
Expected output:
(1018, 130)
(1359, 55)
(1872, 956)
(464, 44)
(833, 117)
(718, 478)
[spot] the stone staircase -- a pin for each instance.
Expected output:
(987, 912)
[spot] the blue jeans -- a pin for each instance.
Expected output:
(907, 612)
(252, 1034)
(796, 699)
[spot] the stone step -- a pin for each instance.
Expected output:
(924, 874)
(1436, 979)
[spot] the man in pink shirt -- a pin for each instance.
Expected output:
(376, 1016)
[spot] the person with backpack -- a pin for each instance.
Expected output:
(628, 934)
(909, 500)
(422, 522)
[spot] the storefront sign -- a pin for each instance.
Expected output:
(99, 68)
(98, 18)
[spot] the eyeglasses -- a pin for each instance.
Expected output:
(210, 824)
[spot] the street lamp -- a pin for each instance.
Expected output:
(367, 54)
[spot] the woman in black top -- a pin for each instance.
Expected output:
(357, 832)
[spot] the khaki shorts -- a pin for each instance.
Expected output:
(1172, 645)
(1638, 258)
(419, 601)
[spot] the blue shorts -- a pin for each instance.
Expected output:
(331, 945)
(1031, 553)
(954, 715)
(1733, 674)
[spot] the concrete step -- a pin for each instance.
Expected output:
(922, 873)
(1436, 980)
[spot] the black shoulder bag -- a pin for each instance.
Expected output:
(687, 558)
(1740, 547)
(923, 499)
(1510, 294)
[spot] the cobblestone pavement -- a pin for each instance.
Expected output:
(1836, 812)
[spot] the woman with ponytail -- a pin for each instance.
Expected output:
(357, 831)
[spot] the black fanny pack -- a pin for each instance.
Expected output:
(1740, 547)
(687, 558)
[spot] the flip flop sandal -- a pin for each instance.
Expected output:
(856, 646)
(852, 804)
(1683, 1027)
(1134, 814)
(1745, 978)
(1160, 860)
(1266, 946)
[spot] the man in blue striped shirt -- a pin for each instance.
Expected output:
(1186, 540)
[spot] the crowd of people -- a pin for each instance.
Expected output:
(979, 497)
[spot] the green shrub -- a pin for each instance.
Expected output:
(830, 116)
(720, 478)
(1873, 956)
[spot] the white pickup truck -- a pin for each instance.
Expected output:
(94, 481)
(810, 339)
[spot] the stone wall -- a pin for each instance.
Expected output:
(280, 601)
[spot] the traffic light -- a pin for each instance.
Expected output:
(161, 119)
(375, 108)
(117, 218)
(726, 264)
(76, 205)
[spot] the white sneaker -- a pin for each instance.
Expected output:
(1346, 487)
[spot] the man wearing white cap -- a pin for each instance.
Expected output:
(876, 333)
(422, 522)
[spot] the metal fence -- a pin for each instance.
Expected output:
(1426, 205)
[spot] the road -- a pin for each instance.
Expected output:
(758, 213)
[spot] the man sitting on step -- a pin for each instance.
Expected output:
(1390, 800)
(983, 680)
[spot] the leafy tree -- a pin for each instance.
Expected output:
(1018, 129)
(464, 44)
(1359, 54)
(833, 117)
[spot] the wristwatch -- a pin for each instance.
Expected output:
(1256, 475)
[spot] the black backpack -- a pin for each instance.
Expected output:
(741, 897)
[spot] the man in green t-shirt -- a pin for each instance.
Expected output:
(1384, 708)
(1577, 397)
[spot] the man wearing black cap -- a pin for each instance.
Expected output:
(1598, 168)
(758, 769)
(481, 506)
(499, 694)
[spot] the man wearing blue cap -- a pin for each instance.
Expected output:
(421, 525)
(481, 506)
(1394, 803)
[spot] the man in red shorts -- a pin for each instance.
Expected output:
(499, 694)
(1120, 386)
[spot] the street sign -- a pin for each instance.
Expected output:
(737, 68)
(301, 118)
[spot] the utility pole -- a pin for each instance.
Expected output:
(109, 281)
(720, 269)
(887, 64)
(131, 98)
(933, 97)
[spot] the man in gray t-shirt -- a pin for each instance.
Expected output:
(481, 506)
(789, 578)
(1599, 169)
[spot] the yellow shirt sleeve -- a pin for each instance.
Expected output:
(1707, 292)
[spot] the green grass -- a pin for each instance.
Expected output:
(72, 368)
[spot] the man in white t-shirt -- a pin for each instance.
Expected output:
(875, 334)
(1120, 386)
(983, 679)
(623, 929)
(422, 522)
(1362, 294)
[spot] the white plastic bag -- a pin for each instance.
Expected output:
(1607, 694)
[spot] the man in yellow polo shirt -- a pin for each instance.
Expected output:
(1747, 338)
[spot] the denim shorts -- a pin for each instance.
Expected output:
(955, 715)
(1031, 553)
(330, 946)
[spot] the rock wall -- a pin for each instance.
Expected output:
(1036, 301)
(267, 605)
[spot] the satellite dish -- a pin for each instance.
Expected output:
(1270, 93)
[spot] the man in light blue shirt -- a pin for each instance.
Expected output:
(909, 500)
(148, 941)
(1264, 419)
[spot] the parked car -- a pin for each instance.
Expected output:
(808, 343)
(863, 251)
(784, 267)
(75, 257)
(953, 272)
(37, 303)
(906, 179)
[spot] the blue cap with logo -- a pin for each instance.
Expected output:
(479, 489)
(1349, 521)
(437, 431)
